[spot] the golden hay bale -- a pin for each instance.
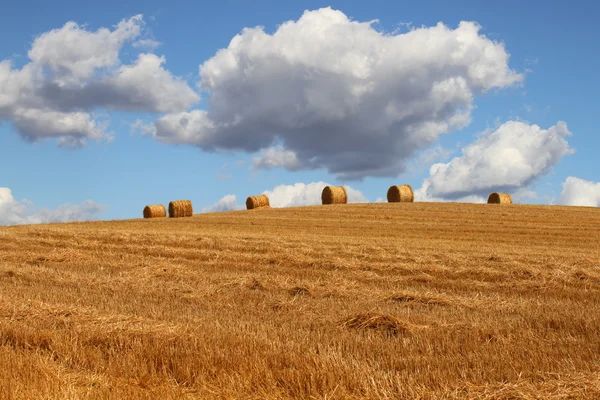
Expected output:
(400, 194)
(500, 198)
(253, 202)
(334, 195)
(155, 211)
(180, 208)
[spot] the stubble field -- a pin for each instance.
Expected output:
(378, 301)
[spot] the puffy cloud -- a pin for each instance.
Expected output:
(73, 71)
(306, 194)
(506, 160)
(339, 94)
(579, 192)
(74, 54)
(142, 86)
(14, 212)
(226, 203)
(71, 128)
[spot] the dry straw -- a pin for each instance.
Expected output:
(400, 194)
(334, 195)
(383, 323)
(500, 198)
(180, 208)
(253, 202)
(155, 211)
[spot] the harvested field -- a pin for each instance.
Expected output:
(378, 301)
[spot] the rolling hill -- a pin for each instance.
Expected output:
(379, 301)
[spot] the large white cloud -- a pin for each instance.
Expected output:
(507, 160)
(14, 212)
(72, 72)
(339, 94)
(298, 194)
(579, 192)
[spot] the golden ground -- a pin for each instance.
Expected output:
(380, 301)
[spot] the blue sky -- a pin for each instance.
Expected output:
(553, 49)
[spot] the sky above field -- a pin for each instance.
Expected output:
(115, 105)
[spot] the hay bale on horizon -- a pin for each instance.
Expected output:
(334, 195)
(261, 201)
(400, 194)
(180, 208)
(155, 211)
(500, 198)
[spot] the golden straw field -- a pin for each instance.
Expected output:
(374, 301)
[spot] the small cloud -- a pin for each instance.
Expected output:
(149, 44)
(225, 203)
(298, 194)
(15, 212)
(143, 129)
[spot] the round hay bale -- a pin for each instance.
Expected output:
(400, 194)
(180, 208)
(500, 198)
(155, 211)
(253, 202)
(334, 195)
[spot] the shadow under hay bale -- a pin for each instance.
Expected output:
(500, 198)
(155, 211)
(261, 201)
(334, 195)
(400, 194)
(180, 208)
(386, 324)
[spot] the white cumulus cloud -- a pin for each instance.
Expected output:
(14, 212)
(338, 94)
(579, 192)
(508, 159)
(225, 203)
(72, 72)
(73, 54)
(306, 194)
(298, 194)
